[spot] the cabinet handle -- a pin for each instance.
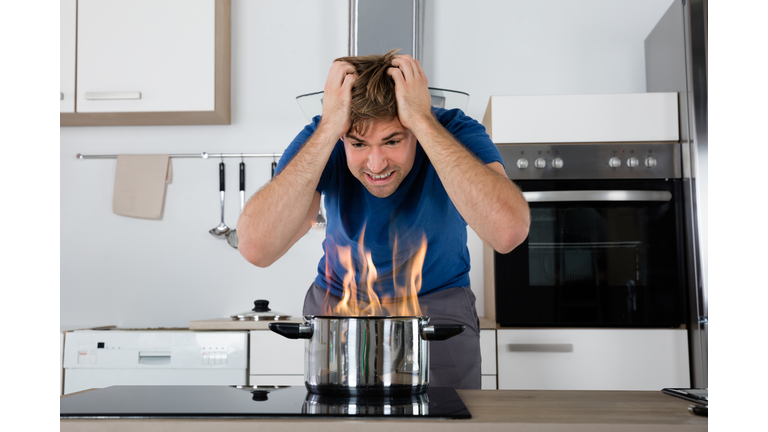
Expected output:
(539, 347)
(112, 95)
(61, 96)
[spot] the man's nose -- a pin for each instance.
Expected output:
(377, 160)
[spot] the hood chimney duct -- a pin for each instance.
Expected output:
(377, 27)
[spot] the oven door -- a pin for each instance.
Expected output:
(598, 254)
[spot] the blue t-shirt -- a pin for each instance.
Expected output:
(420, 207)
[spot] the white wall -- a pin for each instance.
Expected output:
(141, 273)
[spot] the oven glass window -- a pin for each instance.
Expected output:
(595, 263)
(578, 246)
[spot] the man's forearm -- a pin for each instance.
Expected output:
(487, 200)
(273, 218)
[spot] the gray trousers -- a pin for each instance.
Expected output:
(454, 362)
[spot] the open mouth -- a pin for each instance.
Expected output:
(379, 178)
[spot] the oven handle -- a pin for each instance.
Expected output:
(597, 195)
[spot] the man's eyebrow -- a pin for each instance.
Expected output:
(386, 138)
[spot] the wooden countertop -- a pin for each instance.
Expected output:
(492, 410)
(230, 324)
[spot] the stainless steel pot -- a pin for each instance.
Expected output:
(366, 356)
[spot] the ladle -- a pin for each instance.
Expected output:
(222, 229)
(232, 235)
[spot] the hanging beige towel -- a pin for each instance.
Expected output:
(140, 185)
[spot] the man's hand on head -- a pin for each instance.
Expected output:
(337, 98)
(414, 103)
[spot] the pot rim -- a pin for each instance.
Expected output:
(309, 317)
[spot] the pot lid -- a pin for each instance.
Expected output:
(260, 312)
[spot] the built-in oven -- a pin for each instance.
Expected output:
(605, 246)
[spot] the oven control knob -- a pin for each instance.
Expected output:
(650, 162)
(633, 162)
(522, 163)
(557, 163)
(539, 163)
(614, 162)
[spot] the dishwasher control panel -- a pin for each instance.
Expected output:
(182, 349)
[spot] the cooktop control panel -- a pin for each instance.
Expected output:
(591, 161)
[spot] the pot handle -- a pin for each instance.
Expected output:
(292, 330)
(440, 332)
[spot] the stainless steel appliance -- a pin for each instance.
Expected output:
(366, 356)
(605, 246)
(676, 61)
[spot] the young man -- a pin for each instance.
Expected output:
(394, 170)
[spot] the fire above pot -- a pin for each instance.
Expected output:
(366, 356)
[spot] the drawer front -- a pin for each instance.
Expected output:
(600, 359)
(272, 354)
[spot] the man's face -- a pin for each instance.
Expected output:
(382, 157)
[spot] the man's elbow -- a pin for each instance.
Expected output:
(254, 254)
(512, 238)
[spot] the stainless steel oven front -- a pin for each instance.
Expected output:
(605, 246)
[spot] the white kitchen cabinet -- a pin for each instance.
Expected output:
(150, 62)
(590, 118)
(276, 380)
(592, 359)
(488, 355)
(275, 360)
(67, 47)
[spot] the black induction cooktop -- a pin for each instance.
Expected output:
(253, 402)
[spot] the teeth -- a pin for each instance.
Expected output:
(379, 177)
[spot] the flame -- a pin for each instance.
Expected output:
(405, 301)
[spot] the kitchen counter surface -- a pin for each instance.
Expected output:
(492, 410)
(230, 324)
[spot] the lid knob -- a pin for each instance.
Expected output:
(261, 306)
(260, 395)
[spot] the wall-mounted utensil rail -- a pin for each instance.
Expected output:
(202, 155)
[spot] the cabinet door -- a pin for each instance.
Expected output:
(272, 354)
(67, 47)
(145, 55)
(592, 359)
(488, 352)
(276, 380)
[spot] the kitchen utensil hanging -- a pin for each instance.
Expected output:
(232, 235)
(222, 229)
(274, 166)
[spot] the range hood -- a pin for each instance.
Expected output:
(377, 27)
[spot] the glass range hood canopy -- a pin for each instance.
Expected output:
(312, 104)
